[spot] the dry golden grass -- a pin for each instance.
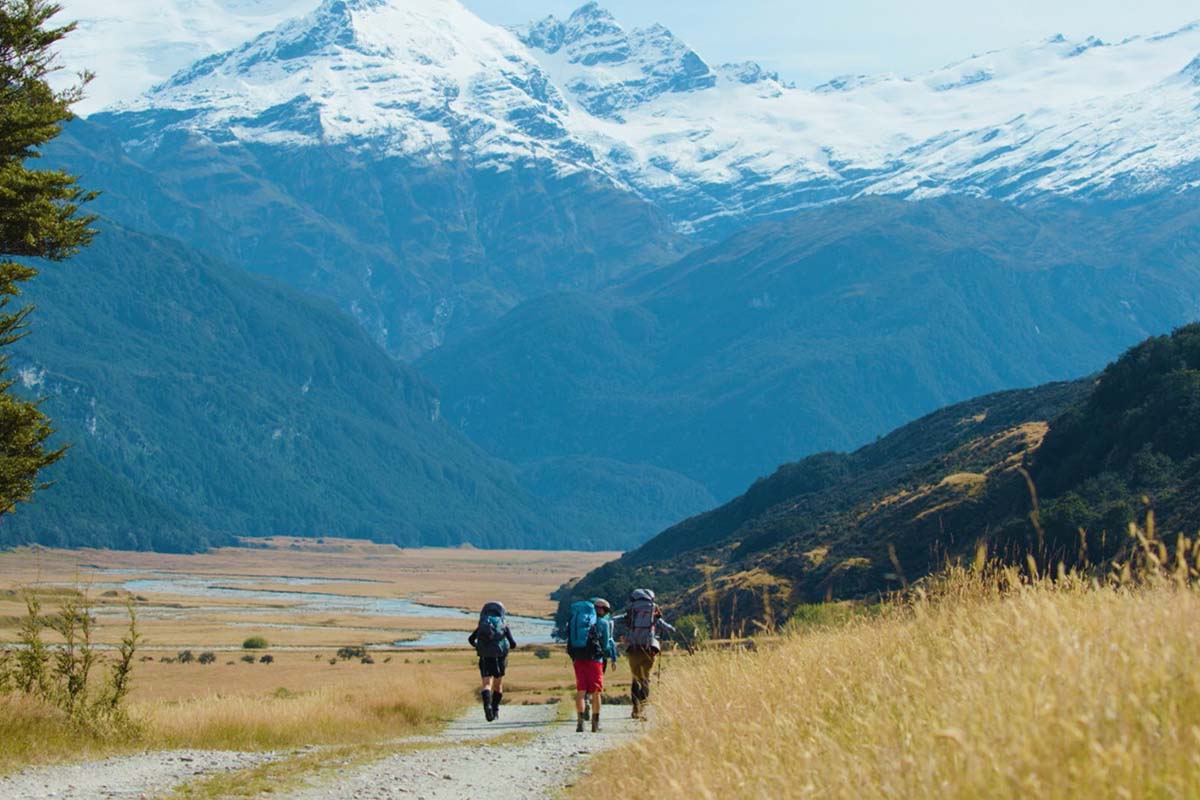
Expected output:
(1042, 691)
(32, 731)
(297, 700)
(366, 710)
(301, 698)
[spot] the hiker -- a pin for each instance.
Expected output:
(591, 648)
(644, 624)
(492, 640)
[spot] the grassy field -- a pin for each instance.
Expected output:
(299, 698)
(457, 577)
(1046, 692)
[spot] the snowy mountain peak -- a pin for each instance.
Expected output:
(747, 72)
(407, 77)
(430, 80)
(607, 69)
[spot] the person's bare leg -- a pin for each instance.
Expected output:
(579, 711)
(595, 711)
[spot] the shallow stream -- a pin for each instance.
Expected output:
(277, 602)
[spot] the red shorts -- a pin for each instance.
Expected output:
(589, 675)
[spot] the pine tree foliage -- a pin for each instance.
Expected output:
(39, 217)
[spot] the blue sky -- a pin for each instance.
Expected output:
(810, 42)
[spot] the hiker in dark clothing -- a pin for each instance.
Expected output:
(644, 624)
(592, 649)
(492, 640)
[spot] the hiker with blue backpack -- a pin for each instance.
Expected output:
(643, 625)
(591, 648)
(492, 640)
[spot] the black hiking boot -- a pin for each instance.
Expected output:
(579, 723)
(496, 696)
(487, 706)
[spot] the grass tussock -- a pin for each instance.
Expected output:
(983, 686)
(364, 711)
(33, 730)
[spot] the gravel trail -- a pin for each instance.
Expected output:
(521, 770)
(458, 766)
(143, 775)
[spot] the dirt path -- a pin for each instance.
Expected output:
(143, 775)
(533, 767)
(538, 757)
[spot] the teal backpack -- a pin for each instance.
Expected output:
(583, 638)
(491, 641)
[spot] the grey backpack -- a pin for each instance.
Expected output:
(641, 618)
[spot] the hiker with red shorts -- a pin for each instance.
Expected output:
(591, 647)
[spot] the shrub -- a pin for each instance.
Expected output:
(351, 651)
(542, 652)
(367, 660)
(249, 659)
(64, 677)
(694, 628)
(185, 657)
(255, 643)
(267, 659)
(207, 658)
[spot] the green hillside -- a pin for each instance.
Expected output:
(854, 525)
(821, 331)
(204, 402)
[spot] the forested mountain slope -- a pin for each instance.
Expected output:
(822, 331)
(203, 402)
(1101, 453)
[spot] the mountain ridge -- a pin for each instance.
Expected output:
(820, 332)
(1100, 453)
(713, 147)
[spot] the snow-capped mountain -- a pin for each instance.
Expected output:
(133, 45)
(711, 144)
(1055, 117)
(423, 78)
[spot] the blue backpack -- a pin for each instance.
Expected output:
(490, 640)
(583, 639)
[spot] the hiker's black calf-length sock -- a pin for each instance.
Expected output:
(496, 697)
(579, 723)
(487, 704)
